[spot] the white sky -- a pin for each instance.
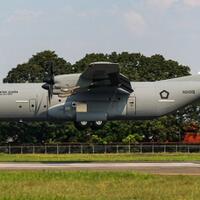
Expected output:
(75, 27)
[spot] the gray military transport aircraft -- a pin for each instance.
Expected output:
(97, 95)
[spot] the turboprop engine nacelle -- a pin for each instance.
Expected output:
(66, 81)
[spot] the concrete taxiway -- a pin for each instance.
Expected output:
(154, 168)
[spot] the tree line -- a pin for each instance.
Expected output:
(136, 67)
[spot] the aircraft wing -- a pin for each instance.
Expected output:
(100, 71)
(100, 75)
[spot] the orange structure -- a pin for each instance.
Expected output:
(192, 134)
(192, 138)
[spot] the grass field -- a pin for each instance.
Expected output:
(99, 157)
(96, 186)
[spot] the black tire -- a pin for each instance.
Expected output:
(83, 125)
(97, 125)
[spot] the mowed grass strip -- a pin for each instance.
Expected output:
(85, 185)
(157, 157)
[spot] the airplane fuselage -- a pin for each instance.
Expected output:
(147, 101)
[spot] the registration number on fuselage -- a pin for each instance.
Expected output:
(189, 92)
(8, 92)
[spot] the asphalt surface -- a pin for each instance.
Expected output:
(154, 168)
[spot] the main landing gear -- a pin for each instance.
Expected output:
(96, 125)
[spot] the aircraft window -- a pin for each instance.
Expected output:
(45, 106)
(32, 106)
(20, 106)
(59, 100)
(74, 104)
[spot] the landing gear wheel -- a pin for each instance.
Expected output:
(97, 125)
(81, 125)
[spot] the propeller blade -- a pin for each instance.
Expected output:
(49, 80)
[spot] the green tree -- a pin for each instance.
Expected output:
(131, 139)
(34, 70)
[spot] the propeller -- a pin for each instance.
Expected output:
(49, 79)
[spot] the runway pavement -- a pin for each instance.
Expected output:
(154, 168)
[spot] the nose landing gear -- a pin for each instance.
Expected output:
(83, 125)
